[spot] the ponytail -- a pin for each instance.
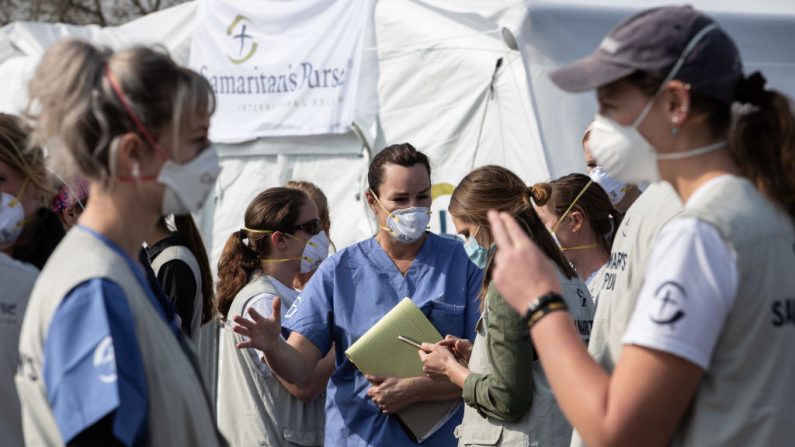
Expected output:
(235, 267)
(187, 228)
(762, 140)
(275, 209)
(541, 193)
(535, 229)
(76, 113)
(587, 198)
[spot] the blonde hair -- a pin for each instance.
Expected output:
(317, 196)
(77, 113)
(28, 161)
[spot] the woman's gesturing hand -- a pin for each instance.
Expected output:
(522, 272)
(262, 332)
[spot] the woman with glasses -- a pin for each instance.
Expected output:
(356, 287)
(282, 236)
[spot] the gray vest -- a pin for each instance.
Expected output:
(747, 396)
(543, 424)
(17, 281)
(616, 291)
(622, 277)
(255, 409)
(179, 412)
(182, 253)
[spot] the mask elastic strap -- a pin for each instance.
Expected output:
(395, 218)
(252, 230)
(579, 247)
(473, 235)
(13, 203)
(291, 236)
(574, 202)
(276, 261)
(692, 152)
(268, 261)
(674, 70)
(137, 121)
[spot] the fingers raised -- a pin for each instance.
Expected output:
(498, 231)
(516, 234)
(277, 309)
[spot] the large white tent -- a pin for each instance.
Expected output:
(464, 81)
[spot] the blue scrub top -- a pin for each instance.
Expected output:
(349, 293)
(92, 361)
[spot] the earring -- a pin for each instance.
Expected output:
(675, 120)
(136, 170)
(674, 131)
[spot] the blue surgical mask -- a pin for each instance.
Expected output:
(477, 254)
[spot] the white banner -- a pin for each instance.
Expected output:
(280, 67)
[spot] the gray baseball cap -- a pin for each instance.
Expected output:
(652, 41)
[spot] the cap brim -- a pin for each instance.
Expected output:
(588, 73)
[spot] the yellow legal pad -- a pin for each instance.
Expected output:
(379, 352)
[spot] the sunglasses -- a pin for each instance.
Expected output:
(312, 227)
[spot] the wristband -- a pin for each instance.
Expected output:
(543, 312)
(542, 306)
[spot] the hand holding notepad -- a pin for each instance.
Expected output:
(379, 352)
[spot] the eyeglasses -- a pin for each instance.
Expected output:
(312, 227)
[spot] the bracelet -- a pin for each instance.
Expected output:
(544, 311)
(542, 306)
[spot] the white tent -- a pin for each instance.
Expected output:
(439, 86)
(555, 32)
(463, 80)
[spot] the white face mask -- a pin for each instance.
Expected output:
(615, 189)
(624, 152)
(315, 252)
(187, 185)
(409, 224)
(12, 219)
(406, 225)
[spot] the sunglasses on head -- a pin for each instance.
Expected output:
(312, 227)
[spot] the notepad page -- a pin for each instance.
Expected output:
(379, 352)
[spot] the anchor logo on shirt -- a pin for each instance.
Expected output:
(670, 294)
(105, 360)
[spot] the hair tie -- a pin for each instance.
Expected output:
(241, 234)
(751, 89)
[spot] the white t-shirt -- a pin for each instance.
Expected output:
(690, 287)
(262, 303)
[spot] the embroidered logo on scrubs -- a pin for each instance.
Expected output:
(105, 360)
(294, 308)
(440, 303)
(671, 294)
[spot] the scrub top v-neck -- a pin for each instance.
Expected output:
(349, 293)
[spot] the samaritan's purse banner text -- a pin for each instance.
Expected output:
(279, 67)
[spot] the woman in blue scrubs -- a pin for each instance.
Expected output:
(357, 286)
